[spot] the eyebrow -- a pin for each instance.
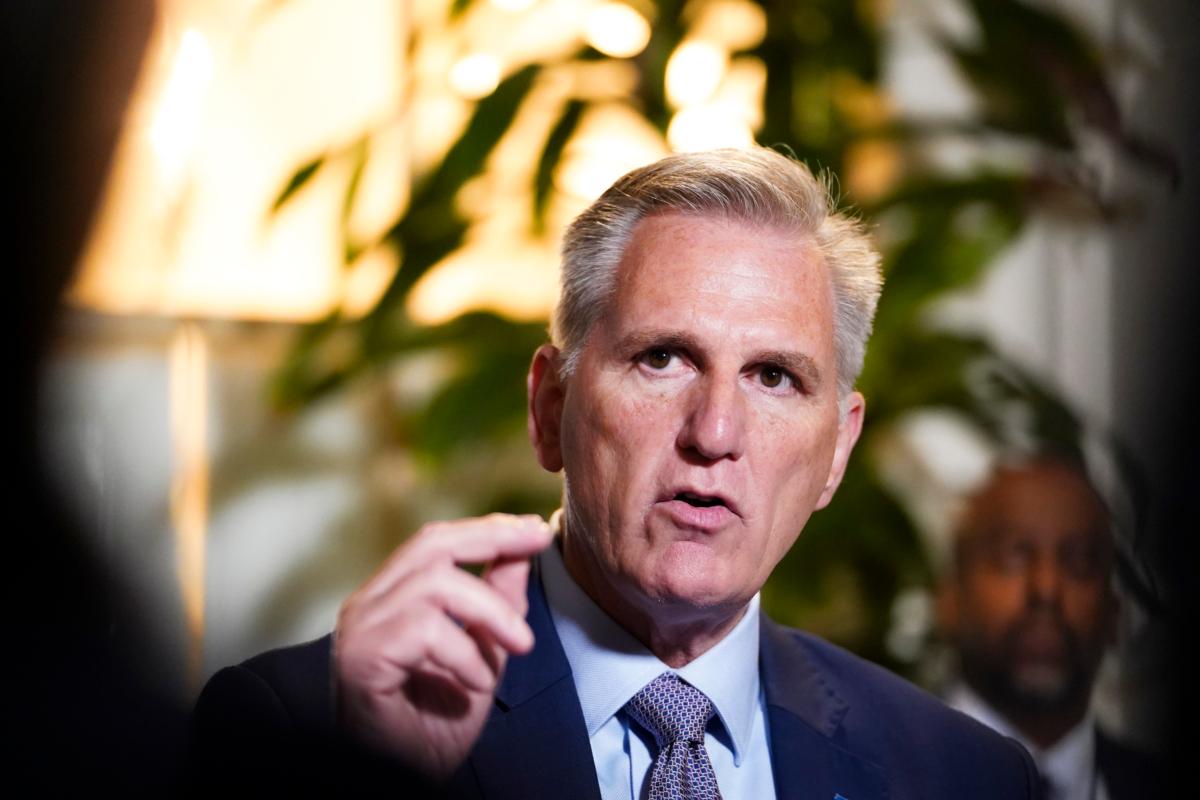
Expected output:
(798, 364)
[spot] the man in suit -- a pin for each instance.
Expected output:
(699, 400)
(1030, 607)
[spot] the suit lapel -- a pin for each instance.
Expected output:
(804, 715)
(535, 743)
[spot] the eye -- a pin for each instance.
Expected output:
(1082, 561)
(657, 358)
(1011, 557)
(777, 379)
(772, 377)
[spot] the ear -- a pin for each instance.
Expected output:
(545, 407)
(849, 427)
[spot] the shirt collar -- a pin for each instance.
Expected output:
(1068, 762)
(609, 665)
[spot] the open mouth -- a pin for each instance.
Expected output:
(699, 501)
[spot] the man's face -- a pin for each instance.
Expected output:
(700, 428)
(1034, 610)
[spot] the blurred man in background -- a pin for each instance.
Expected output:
(1031, 608)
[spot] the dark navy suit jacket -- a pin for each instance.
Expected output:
(839, 726)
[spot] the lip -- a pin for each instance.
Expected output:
(698, 517)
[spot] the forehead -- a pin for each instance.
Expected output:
(713, 272)
(1045, 501)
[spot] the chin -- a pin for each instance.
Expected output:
(1044, 684)
(699, 583)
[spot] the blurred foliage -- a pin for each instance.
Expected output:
(1040, 85)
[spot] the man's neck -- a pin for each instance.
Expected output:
(677, 635)
(1043, 727)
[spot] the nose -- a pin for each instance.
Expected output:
(1044, 580)
(714, 426)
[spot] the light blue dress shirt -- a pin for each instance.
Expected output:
(610, 666)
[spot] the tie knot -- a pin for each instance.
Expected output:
(671, 709)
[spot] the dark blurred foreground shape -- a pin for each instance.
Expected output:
(90, 708)
(1030, 606)
(86, 709)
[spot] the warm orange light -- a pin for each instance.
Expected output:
(612, 139)
(189, 485)
(513, 5)
(616, 30)
(694, 72)
(706, 127)
(735, 24)
(227, 107)
(475, 76)
(872, 168)
(484, 277)
(177, 120)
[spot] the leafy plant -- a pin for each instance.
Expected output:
(1039, 83)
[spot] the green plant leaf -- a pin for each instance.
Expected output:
(298, 180)
(551, 155)
(432, 228)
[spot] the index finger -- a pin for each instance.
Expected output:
(476, 540)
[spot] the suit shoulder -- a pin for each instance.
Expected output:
(905, 729)
(267, 724)
(864, 683)
(288, 686)
(294, 671)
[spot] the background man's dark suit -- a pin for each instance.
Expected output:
(839, 726)
(1129, 773)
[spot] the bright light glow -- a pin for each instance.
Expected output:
(736, 24)
(189, 482)
(872, 168)
(366, 280)
(616, 30)
(743, 89)
(475, 76)
(515, 278)
(311, 81)
(611, 140)
(694, 72)
(706, 127)
(513, 5)
(176, 124)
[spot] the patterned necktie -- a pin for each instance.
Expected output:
(676, 714)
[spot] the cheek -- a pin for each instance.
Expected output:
(801, 457)
(994, 600)
(609, 442)
(1087, 609)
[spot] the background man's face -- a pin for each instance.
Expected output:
(700, 428)
(1034, 607)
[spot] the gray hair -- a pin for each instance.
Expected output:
(758, 186)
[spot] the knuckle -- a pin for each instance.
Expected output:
(348, 613)
(424, 534)
(427, 632)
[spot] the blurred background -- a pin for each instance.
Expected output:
(327, 247)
